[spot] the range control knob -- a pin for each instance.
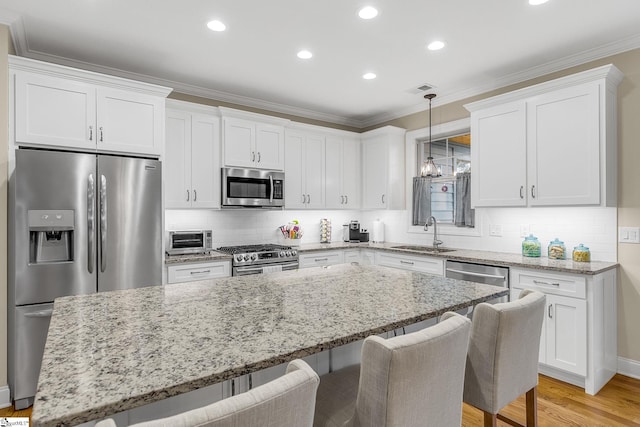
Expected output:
(282, 253)
(254, 257)
(239, 258)
(246, 257)
(294, 252)
(288, 253)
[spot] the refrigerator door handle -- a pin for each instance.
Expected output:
(91, 221)
(41, 313)
(103, 223)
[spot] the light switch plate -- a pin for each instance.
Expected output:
(629, 234)
(495, 230)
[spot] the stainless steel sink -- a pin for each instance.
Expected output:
(419, 248)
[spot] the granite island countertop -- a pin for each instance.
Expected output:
(465, 255)
(113, 351)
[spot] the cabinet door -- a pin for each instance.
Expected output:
(129, 122)
(375, 173)
(269, 147)
(333, 173)
(566, 334)
(319, 259)
(564, 147)
(314, 171)
(55, 111)
(293, 174)
(198, 271)
(177, 162)
(351, 173)
(498, 156)
(205, 164)
(239, 143)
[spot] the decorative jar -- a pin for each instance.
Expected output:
(531, 246)
(581, 253)
(557, 249)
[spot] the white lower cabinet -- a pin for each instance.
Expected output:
(323, 258)
(420, 264)
(578, 342)
(198, 271)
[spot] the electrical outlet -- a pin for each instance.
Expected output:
(525, 230)
(629, 234)
(495, 230)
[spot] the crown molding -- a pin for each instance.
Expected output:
(14, 21)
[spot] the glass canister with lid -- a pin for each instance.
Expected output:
(531, 246)
(557, 249)
(581, 253)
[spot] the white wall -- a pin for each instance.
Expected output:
(595, 227)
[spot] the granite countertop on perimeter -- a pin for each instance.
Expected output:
(475, 256)
(113, 351)
(187, 259)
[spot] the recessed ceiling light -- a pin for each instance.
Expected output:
(435, 45)
(368, 12)
(216, 25)
(305, 54)
(369, 76)
(537, 2)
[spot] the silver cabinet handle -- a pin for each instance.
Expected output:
(540, 282)
(533, 191)
(308, 199)
(346, 200)
(103, 223)
(195, 195)
(187, 195)
(521, 190)
(253, 156)
(321, 259)
(201, 272)
(258, 157)
(101, 134)
(91, 221)
(304, 199)
(342, 200)
(406, 262)
(549, 311)
(383, 199)
(41, 313)
(90, 133)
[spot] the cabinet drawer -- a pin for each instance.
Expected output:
(318, 259)
(420, 264)
(569, 285)
(199, 271)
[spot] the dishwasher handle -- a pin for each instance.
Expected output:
(471, 273)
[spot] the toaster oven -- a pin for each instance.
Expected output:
(189, 242)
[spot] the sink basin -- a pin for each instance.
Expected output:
(422, 248)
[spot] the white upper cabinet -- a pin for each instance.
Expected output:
(304, 170)
(251, 143)
(342, 173)
(75, 109)
(552, 144)
(383, 168)
(192, 159)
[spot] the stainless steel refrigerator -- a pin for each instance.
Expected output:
(82, 223)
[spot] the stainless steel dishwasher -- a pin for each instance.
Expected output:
(480, 273)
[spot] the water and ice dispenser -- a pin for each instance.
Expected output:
(50, 236)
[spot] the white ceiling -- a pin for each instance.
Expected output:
(490, 43)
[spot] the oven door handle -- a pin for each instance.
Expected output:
(471, 273)
(257, 269)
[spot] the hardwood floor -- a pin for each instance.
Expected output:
(559, 404)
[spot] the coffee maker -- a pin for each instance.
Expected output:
(356, 235)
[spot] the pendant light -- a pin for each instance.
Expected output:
(429, 168)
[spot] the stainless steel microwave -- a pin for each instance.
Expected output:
(189, 242)
(252, 188)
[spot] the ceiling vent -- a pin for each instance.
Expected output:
(420, 89)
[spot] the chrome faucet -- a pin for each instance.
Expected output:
(432, 221)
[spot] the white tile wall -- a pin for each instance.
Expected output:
(594, 226)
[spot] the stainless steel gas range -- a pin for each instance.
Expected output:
(256, 259)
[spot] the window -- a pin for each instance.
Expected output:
(452, 155)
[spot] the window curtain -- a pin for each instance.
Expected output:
(421, 200)
(464, 216)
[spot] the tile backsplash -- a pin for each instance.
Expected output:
(596, 227)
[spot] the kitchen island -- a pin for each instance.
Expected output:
(114, 351)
